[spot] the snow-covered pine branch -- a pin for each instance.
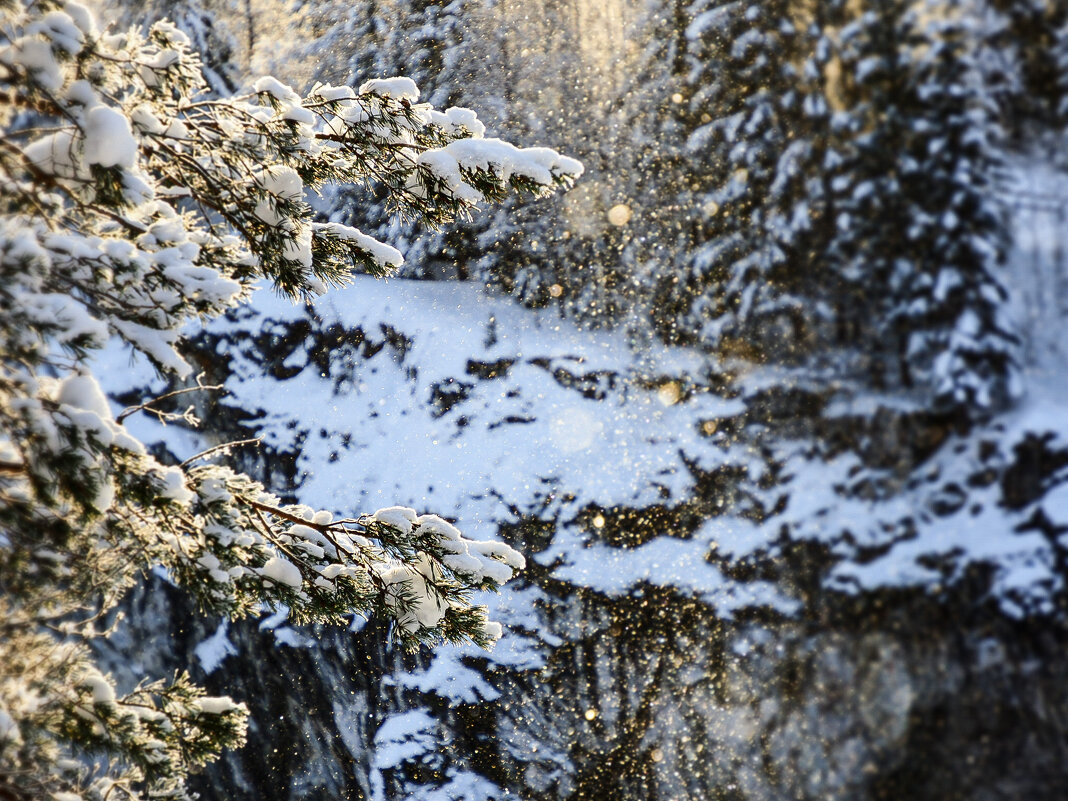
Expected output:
(131, 205)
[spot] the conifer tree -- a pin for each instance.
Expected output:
(920, 234)
(744, 277)
(1022, 41)
(651, 122)
(133, 204)
(1061, 55)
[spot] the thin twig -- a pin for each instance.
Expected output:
(166, 396)
(224, 446)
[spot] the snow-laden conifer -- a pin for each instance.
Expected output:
(920, 233)
(133, 204)
(753, 113)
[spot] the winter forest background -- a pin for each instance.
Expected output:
(772, 401)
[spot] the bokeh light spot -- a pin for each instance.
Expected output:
(620, 214)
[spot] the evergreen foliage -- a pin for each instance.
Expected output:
(921, 236)
(745, 272)
(132, 205)
(1024, 50)
(842, 155)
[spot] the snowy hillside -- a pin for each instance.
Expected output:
(443, 398)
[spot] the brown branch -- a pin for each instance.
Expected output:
(326, 529)
(144, 407)
(281, 513)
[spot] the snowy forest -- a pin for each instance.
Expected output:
(529, 400)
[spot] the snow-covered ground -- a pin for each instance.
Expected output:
(440, 397)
